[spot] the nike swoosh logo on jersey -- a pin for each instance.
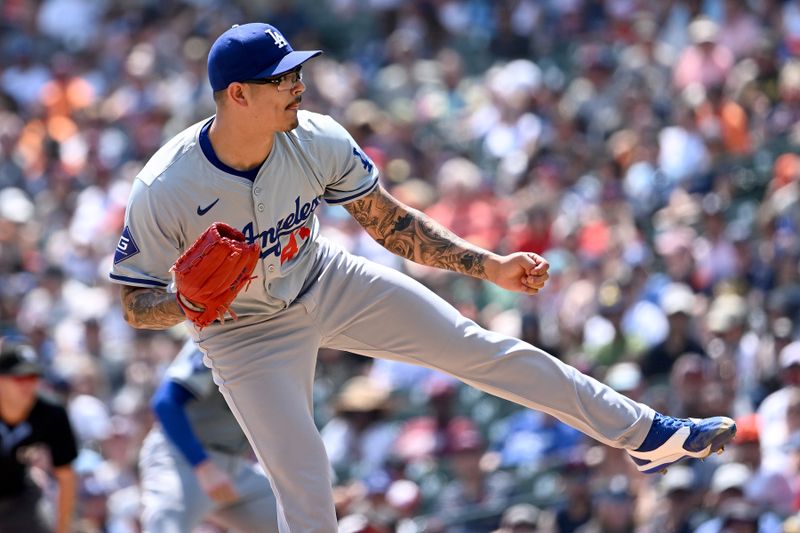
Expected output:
(202, 211)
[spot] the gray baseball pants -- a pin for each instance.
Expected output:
(173, 502)
(264, 367)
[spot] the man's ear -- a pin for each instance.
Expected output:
(238, 94)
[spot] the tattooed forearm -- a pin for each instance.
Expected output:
(415, 236)
(150, 308)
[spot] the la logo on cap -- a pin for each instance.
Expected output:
(252, 51)
(280, 42)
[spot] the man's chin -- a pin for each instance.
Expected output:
(292, 125)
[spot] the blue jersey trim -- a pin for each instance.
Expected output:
(137, 280)
(354, 196)
(211, 155)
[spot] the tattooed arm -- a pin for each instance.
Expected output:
(415, 236)
(146, 308)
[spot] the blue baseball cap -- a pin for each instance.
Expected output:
(251, 51)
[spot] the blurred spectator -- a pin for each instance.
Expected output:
(520, 518)
(404, 498)
(727, 486)
(740, 29)
(424, 437)
(605, 338)
(729, 506)
(783, 116)
(793, 472)
(30, 423)
(356, 523)
(678, 304)
(24, 78)
(705, 62)
(469, 502)
(768, 488)
(626, 377)
(716, 256)
(775, 339)
(740, 517)
(677, 502)
(575, 508)
(612, 508)
(63, 96)
(773, 410)
(790, 20)
(722, 119)
(530, 438)
(733, 347)
(689, 380)
(466, 207)
(192, 465)
(359, 438)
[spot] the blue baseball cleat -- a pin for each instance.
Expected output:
(672, 439)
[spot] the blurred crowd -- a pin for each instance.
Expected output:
(646, 149)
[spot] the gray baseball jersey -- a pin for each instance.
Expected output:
(311, 293)
(180, 192)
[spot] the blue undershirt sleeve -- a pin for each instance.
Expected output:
(167, 403)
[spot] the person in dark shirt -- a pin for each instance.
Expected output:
(29, 420)
(577, 508)
(678, 303)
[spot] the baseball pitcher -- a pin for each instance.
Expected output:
(260, 168)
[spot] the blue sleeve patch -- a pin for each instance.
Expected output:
(126, 247)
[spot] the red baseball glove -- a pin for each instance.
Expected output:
(210, 274)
